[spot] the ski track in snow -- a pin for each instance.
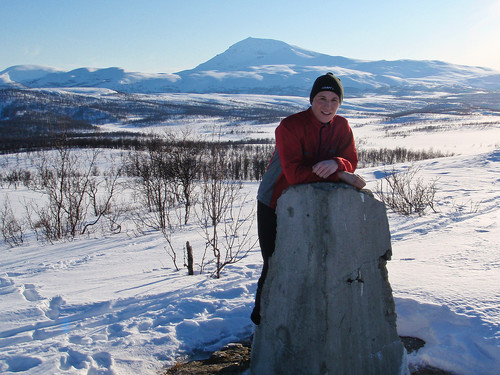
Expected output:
(199, 316)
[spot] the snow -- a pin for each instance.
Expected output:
(115, 304)
(445, 271)
(67, 305)
(27, 73)
(263, 66)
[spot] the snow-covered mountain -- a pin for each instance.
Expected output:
(265, 66)
(26, 73)
(111, 78)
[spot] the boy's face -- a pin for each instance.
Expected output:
(325, 105)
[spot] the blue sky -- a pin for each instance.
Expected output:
(169, 36)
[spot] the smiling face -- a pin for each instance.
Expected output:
(325, 105)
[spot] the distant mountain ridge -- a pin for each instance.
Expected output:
(264, 66)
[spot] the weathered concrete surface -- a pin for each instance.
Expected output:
(327, 305)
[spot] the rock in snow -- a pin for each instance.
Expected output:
(327, 305)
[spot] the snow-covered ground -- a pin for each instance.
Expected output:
(445, 270)
(116, 305)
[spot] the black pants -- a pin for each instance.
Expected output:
(266, 228)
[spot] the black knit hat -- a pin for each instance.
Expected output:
(327, 82)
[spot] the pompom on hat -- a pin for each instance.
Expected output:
(327, 82)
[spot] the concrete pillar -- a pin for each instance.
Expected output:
(327, 305)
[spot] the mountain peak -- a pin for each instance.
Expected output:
(257, 52)
(22, 73)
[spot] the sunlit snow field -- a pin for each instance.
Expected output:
(114, 304)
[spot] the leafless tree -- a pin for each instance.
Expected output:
(156, 186)
(155, 182)
(185, 162)
(221, 224)
(70, 186)
(64, 177)
(102, 203)
(11, 228)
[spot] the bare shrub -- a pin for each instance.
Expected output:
(468, 207)
(184, 164)
(156, 187)
(16, 177)
(74, 197)
(226, 229)
(238, 240)
(386, 156)
(12, 230)
(65, 179)
(405, 192)
(155, 184)
(101, 193)
(170, 250)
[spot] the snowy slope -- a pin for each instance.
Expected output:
(115, 304)
(445, 271)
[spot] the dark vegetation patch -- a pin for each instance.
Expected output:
(29, 119)
(234, 359)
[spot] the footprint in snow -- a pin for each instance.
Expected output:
(116, 330)
(72, 358)
(103, 359)
(30, 293)
(21, 363)
(6, 286)
(54, 307)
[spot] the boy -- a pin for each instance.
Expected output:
(311, 146)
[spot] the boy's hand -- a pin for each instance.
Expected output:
(325, 168)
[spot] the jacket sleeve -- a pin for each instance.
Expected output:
(289, 147)
(347, 158)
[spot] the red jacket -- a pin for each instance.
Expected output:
(301, 142)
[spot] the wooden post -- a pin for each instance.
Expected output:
(189, 251)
